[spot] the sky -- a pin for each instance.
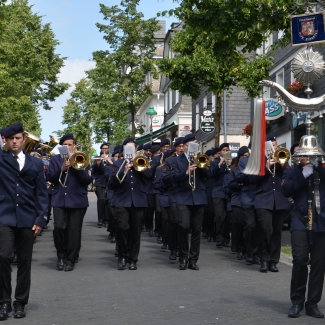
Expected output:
(73, 23)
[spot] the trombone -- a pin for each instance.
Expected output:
(140, 164)
(78, 161)
(201, 160)
(281, 156)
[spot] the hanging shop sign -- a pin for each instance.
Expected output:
(307, 28)
(273, 109)
(207, 124)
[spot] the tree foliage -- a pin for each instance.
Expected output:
(28, 66)
(87, 113)
(215, 48)
(121, 71)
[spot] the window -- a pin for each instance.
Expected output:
(166, 101)
(197, 117)
(170, 97)
(280, 34)
(266, 92)
(205, 102)
(176, 97)
(280, 78)
(213, 108)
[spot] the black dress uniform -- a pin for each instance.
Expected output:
(296, 186)
(69, 208)
(129, 201)
(23, 204)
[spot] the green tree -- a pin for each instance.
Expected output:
(28, 66)
(88, 116)
(215, 45)
(121, 71)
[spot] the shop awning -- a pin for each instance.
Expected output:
(155, 134)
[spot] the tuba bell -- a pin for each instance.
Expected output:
(281, 155)
(140, 161)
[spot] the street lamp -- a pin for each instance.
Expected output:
(151, 112)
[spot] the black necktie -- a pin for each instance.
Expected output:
(17, 163)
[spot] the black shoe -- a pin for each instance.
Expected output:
(226, 243)
(14, 259)
(113, 240)
(233, 250)
(249, 260)
(314, 312)
(116, 253)
(219, 244)
(150, 233)
(60, 265)
(164, 246)
(172, 255)
(256, 260)
(182, 264)
(100, 224)
(5, 308)
(19, 311)
(264, 267)
(45, 227)
(272, 267)
(133, 266)
(240, 256)
(177, 253)
(209, 239)
(193, 266)
(204, 235)
(159, 240)
(69, 267)
(121, 263)
(295, 310)
(76, 260)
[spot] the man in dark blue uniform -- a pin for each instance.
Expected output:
(190, 205)
(130, 201)
(172, 208)
(271, 208)
(295, 184)
(222, 223)
(69, 205)
(23, 204)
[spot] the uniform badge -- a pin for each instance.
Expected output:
(282, 182)
(171, 167)
(323, 165)
(165, 168)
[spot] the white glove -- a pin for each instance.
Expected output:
(313, 161)
(308, 170)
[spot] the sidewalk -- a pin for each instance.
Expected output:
(224, 291)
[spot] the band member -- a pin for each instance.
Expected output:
(100, 182)
(69, 205)
(164, 145)
(110, 193)
(130, 201)
(222, 224)
(271, 208)
(23, 203)
(209, 209)
(172, 209)
(295, 184)
(190, 205)
(247, 204)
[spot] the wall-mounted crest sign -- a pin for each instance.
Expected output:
(273, 109)
(307, 28)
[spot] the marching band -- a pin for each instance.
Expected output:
(179, 194)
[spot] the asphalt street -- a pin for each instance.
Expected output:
(223, 291)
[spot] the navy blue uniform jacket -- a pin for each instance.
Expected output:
(218, 174)
(268, 190)
(23, 194)
(235, 188)
(168, 180)
(248, 188)
(109, 192)
(184, 194)
(295, 185)
(132, 190)
(75, 194)
(159, 185)
(98, 174)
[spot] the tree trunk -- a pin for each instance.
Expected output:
(217, 120)
(133, 124)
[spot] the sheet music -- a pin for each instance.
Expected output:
(64, 152)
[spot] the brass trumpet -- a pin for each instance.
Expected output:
(140, 163)
(78, 161)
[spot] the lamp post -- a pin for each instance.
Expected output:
(151, 112)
